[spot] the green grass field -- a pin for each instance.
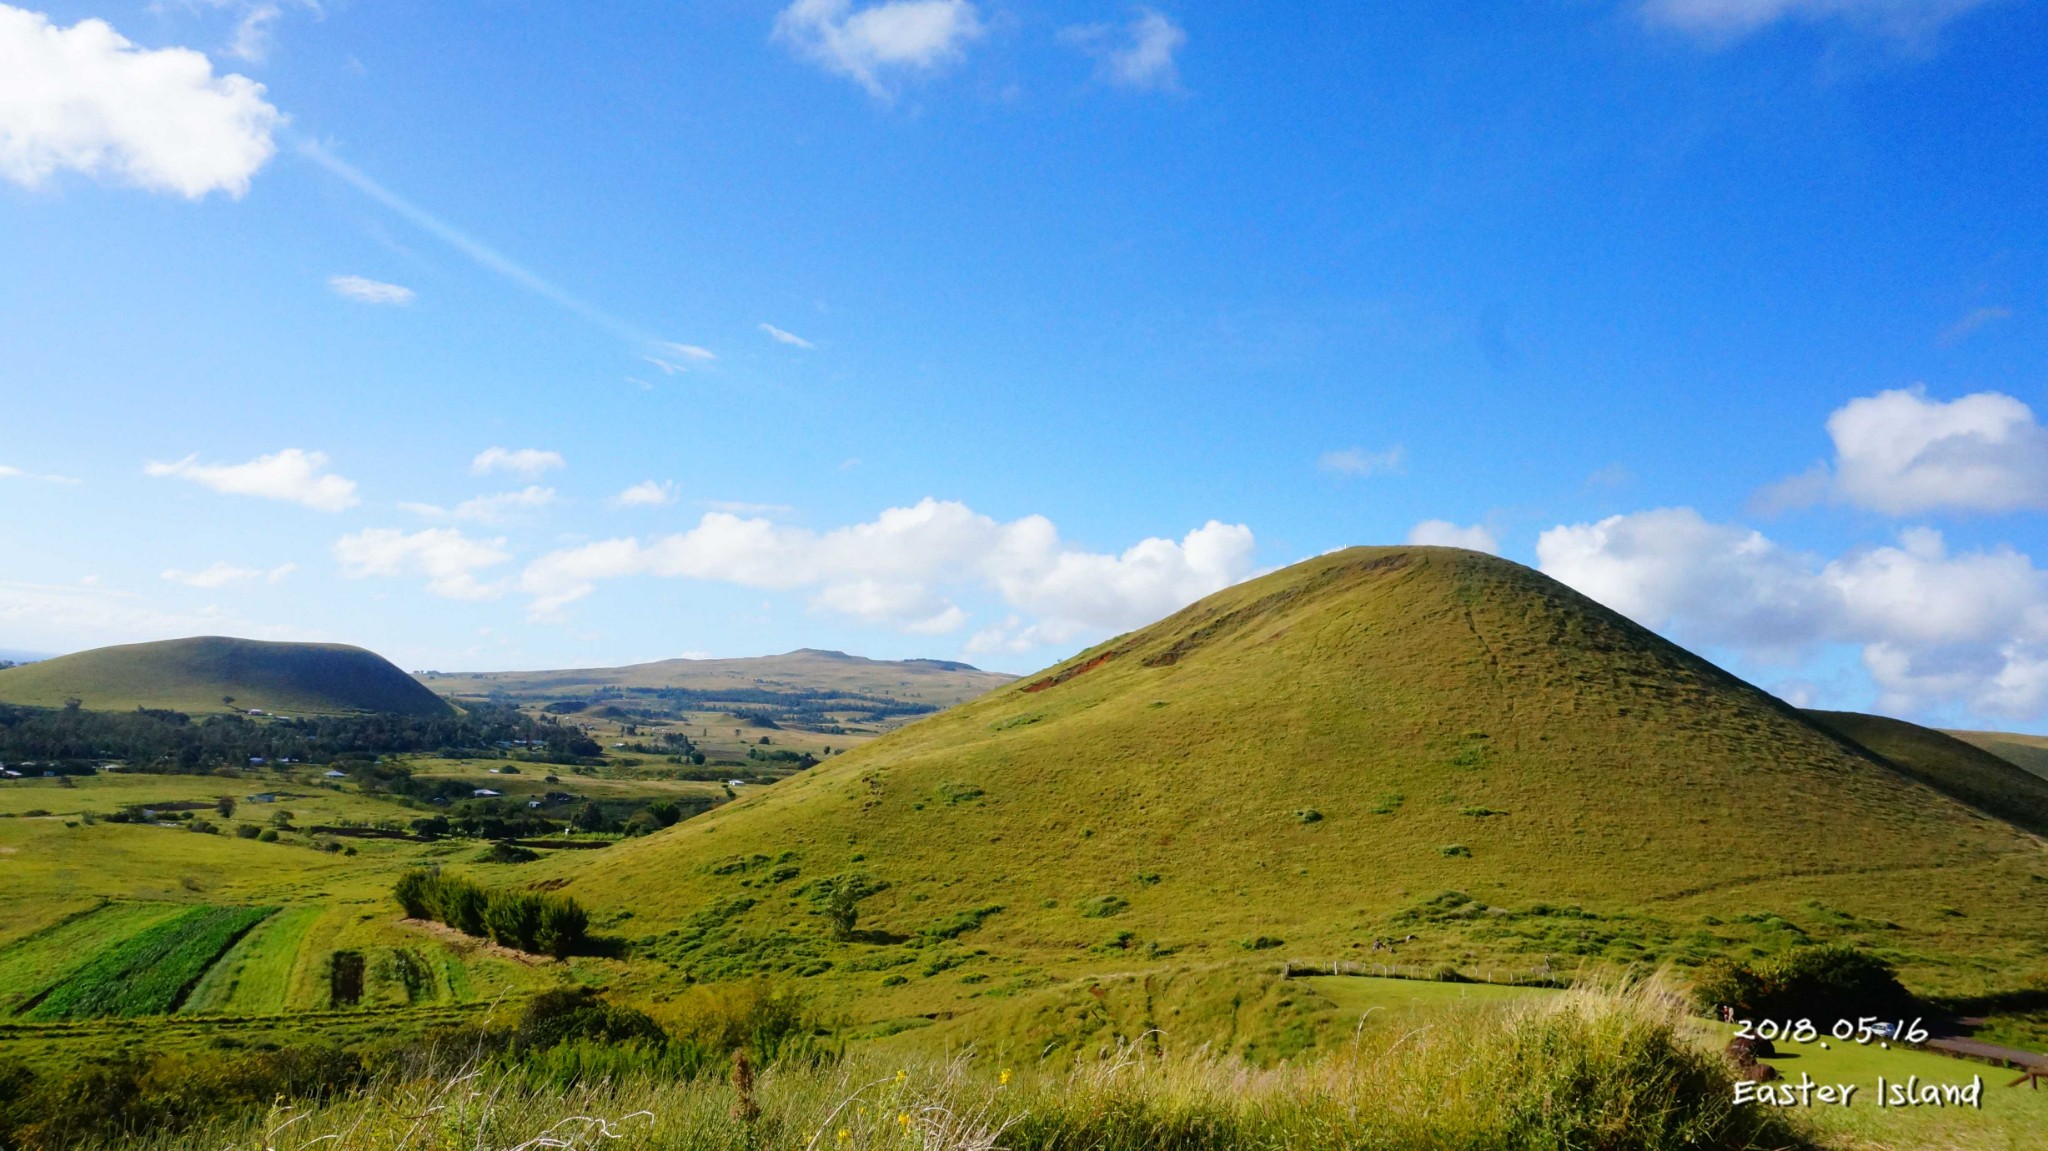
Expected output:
(149, 972)
(255, 976)
(32, 965)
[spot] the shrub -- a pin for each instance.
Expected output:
(538, 923)
(1456, 850)
(1823, 982)
(267, 835)
(507, 852)
(1104, 906)
(247, 831)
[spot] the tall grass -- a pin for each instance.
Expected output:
(1586, 1071)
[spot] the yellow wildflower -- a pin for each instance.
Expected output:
(1006, 1077)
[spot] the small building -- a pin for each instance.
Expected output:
(264, 797)
(256, 761)
(333, 774)
(487, 793)
(735, 783)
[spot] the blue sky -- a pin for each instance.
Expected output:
(519, 335)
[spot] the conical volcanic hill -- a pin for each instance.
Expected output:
(198, 674)
(1302, 757)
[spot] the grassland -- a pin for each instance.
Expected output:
(199, 675)
(1961, 770)
(31, 966)
(938, 682)
(150, 972)
(1304, 764)
(2026, 751)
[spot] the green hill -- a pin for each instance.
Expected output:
(1379, 742)
(2026, 751)
(1961, 770)
(195, 675)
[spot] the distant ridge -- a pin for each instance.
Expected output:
(199, 674)
(939, 682)
(1956, 768)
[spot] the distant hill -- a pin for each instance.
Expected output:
(2025, 751)
(1312, 757)
(193, 675)
(1959, 769)
(11, 655)
(941, 683)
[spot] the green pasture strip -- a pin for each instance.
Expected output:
(255, 976)
(1355, 993)
(39, 961)
(2006, 1118)
(149, 972)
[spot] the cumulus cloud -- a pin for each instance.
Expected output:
(292, 475)
(1726, 20)
(1359, 462)
(527, 462)
(1138, 54)
(782, 337)
(448, 559)
(369, 291)
(645, 494)
(490, 509)
(1901, 453)
(1933, 626)
(223, 574)
(85, 99)
(1445, 534)
(868, 45)
(898, 568)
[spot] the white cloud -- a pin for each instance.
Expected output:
(742, 508)
(292, 475)
(370, 291)
(1725, 20)
(223, 574)
(687, 351)
(1933, 627)
(1445, 534)
(527, 462)
(1138, 54)
(489, 509)
(1968, 326)
(646, 494)
(1900, 453)
(867, 44)
(87, 100)
(58, 618)
(253, 37)
(896, 568)
(449, 559)
(782, 337)
(1358, 462)
(13, 473)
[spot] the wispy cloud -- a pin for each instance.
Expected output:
(527, 462)
(741, 508)
(8, 472)
(292, 475)
(1723, 21)
(1966, 327)
(483, 254)
(224, 574)
(869, 45)
(449, 559)
(495, 508)
(368, 291)
(1138, 54)
(782, 337)
(1359, 462)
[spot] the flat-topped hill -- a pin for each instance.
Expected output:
(941, 683)
(1307, 754)
(199, 674)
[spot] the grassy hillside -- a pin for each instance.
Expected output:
(196, 675)
(1374, 744)
(2026, 751)
(1963, 771)
(938, 682)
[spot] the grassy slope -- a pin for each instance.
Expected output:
(1966, 772)
(1632, 775)
(194, 674)
(2027, 751)
(926, 681)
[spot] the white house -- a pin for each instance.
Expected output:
(487, 793)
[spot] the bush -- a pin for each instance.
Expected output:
(561, 1016)
(1822, 982)
(537, 923)
(247, 831)
(267, 835)
(507, 852)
